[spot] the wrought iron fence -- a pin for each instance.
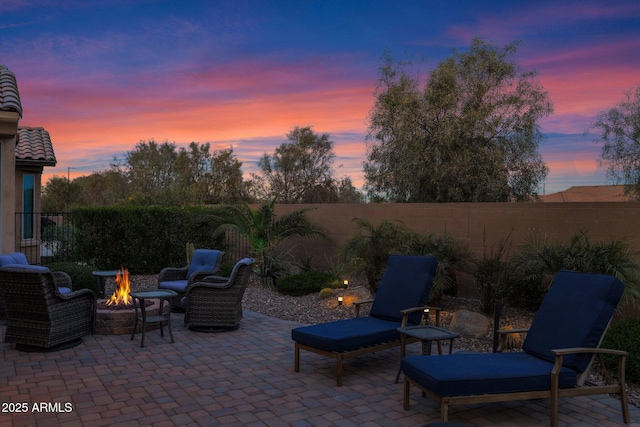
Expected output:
(45, 236)
(50, 236)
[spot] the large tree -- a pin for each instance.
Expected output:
(469, 135)
(619, 129)
(299, 170)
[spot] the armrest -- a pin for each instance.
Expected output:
(80, 293)
(357, 305)
(588, 350)
(425, 310)
(560, 353)
(62, 279)
(168, 274)
(201, 276)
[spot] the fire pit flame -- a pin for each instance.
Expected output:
(121, 295)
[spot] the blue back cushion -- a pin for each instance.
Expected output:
(406, 283)
(575, 313)
(203, 260)
(13, 258)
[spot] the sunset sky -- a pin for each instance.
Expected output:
(101, 76)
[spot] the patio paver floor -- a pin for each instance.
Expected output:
(240, 378)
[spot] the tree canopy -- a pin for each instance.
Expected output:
(469, 135)
(300, 171)
(619, 130)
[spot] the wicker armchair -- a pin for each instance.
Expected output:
(39, 317)
(214, 304)
(204, 262)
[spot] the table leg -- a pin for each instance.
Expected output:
(135, 323)
(403, 343)
(168, 322)
(144, 319)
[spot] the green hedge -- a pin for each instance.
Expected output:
(142, 239)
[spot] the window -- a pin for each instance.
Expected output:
(28, 205)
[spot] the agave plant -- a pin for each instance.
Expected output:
(265, 231)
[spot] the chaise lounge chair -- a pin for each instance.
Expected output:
(400, 300)
(561, 343)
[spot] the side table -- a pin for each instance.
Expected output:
(101, 276)
(426, 334)
(139, 300)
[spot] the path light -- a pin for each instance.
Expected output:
(339, 300)
(345, 283)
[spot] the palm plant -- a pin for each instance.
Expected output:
(451, 254)
(367, 251)
(538, 261)
(265, 231)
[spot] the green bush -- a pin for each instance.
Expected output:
(143, 239)
(536, 263)
(305, 283)
(624, 335)
(81, 276)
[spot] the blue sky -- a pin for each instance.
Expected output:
(102, 76)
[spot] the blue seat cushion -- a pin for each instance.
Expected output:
(175, 285)
(13, 258)
(575, 313)
(64, 290)
(483, 373)
(406, 283)
(347, 334)
(203, 260)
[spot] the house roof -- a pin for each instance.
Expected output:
(34, 147)
(9, 95)
(589, 193)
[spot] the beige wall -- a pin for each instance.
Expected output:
(8, 193)
(470, 222)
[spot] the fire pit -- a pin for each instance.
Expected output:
(116, 315)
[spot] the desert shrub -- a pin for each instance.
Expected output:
(536, 263)
(305, 283)
(452, 255)
(624, 335)
(326, 293)
(80, 274)
(492, 273)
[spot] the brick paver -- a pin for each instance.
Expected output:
(239, 378)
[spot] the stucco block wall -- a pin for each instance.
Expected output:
(471, 222)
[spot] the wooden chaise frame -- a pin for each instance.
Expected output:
(554, 393)
(341, 356)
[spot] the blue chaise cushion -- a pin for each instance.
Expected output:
(575, 313)
(203, 260)
(483, 373)
(347, 334)
(406, 283)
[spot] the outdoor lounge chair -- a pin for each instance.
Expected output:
(400, 300)
(204, 262)
(214, 303)
(19, 260)
(39, 317)
(556, 358)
